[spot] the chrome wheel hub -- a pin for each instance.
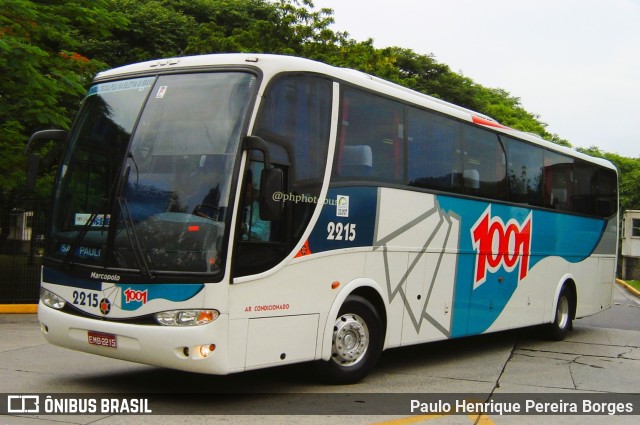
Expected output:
(562, 312)
(350, 340)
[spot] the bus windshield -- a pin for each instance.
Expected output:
(146, 181)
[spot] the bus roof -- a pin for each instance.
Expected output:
(271, 65)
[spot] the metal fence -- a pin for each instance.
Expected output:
(22, 229)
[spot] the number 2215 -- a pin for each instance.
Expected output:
(341, 232)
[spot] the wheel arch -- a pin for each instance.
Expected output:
(567, 282)
(365, 288)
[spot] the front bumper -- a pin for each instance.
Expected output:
(178, 348)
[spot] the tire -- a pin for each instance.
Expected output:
(562, 321)
(356, 343)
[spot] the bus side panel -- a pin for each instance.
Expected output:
(281, 316)
(605, 273)
(417, 246)
(377, 269)
(512, 258)
(455, 266)
(595, 292)
(281, 340)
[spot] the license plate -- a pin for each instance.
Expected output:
(102, 339)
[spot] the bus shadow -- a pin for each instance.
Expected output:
(302, 378)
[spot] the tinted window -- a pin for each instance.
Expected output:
(595, 189)
(295, 121)
(433, 144)
(525, 163)
(484, 164)
(371, 139)
(558, 181)
(296, 114)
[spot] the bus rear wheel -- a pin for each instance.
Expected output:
(356, 342)
(562, 322)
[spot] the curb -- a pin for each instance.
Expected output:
(18, 308)
(628, 287)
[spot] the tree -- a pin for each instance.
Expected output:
(154, 29)
(44, 71)
(289, 27)
(50, 50)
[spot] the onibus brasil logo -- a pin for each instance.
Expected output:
(499, 244)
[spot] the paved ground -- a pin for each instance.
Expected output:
(592, 361)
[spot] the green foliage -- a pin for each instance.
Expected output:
(288, 27)
(49, 51)
(233, 26)
(43, 70)
(153, 29)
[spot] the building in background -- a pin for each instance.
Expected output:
(631, 245)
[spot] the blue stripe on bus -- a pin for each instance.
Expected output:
(347, 219)
(475, 306)
(175, 292)
(570, 237)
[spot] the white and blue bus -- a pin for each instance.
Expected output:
(223, 213)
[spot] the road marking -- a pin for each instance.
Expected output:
(483, 420)
(411, 419)
(477, 420)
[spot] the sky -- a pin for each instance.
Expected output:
(574, 63)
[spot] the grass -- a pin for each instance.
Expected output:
(634, 283)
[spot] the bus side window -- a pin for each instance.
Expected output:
(295, 121)
(558, 181)
(260, 243)
(595, 190)
(371, 139)
(525, 163)
(433, 143)
(357, 160)
(253, 228)
(484, 164)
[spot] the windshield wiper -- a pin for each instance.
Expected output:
(132, 235)
(116, 188)
(106, 203)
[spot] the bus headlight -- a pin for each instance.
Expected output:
(52, 300)
(186, 317)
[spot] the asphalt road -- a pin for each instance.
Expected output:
(601, 356)
(624, 314)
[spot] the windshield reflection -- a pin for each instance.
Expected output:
(166, 209)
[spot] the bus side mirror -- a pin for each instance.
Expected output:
(271, 185)
(34, 158)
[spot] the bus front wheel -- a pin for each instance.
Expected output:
(562, 322)
(356, 342)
